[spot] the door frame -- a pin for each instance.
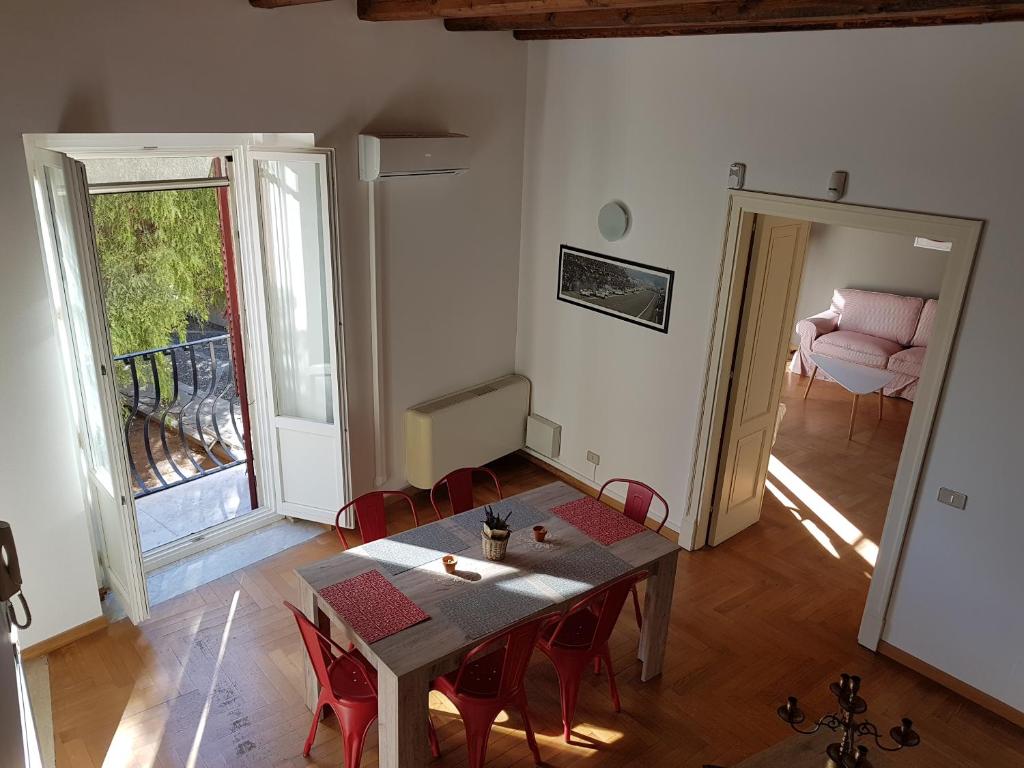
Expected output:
(82, 146)
(743, 207)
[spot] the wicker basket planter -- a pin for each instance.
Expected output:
(494, 543)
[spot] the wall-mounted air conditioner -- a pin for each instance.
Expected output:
(397, 155)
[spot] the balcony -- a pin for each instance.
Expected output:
(185, 430)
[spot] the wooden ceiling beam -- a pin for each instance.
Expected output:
(1011, 12)
(737, 12)
(413, 10)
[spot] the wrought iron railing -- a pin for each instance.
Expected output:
(183, 416)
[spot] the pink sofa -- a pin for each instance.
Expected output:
(881, 330)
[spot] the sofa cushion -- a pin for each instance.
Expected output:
(856, 348)
(924, 326)
(884, 315)
(908, 361)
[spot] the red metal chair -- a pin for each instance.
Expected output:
(371, 516)
(348, 686)
(580, 637)
(489, 680)
(460, 488)
(639, 497)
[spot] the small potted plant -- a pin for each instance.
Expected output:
(494, 538)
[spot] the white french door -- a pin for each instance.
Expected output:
(291, 199)
(65, 224)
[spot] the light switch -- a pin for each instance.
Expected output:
(952, 498)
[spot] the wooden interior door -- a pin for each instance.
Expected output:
(766, 320)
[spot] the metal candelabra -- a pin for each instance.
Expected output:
(845, 753)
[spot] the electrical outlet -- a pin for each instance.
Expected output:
(953, 499)
(593, 458)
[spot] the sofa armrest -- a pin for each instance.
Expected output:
(812, 327)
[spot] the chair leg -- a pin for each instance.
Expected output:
(354, 726)
(636, 608)
(476, 742)
(531, 739)
(435, 745)
(353, 748)
(312, 730)
(569, 688)
(611, 680)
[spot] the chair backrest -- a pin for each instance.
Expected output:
(519, 642)
(371, 516)
(318, 646)
(638, 500)
(460, 488)
(606, 605)
(324, 652)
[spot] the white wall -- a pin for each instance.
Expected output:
(847, 257)
(451, 246)
(923, 119)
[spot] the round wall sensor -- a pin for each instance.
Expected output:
(613, 221)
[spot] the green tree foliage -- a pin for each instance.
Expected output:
(160, 264)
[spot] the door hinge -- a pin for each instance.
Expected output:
(103, 369)
(124, 501)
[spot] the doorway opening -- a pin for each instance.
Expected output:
(166, 262)
(173, 261)
(837, 469)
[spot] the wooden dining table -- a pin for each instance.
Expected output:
(407, 661)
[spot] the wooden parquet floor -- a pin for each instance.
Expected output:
(213, 678)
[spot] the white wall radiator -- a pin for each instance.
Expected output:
(465, 429)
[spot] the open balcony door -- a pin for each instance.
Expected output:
(297, 312)
(769, 303)
(65, 224)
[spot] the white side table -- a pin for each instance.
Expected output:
(856, 379)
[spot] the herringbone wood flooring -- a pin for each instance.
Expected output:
(767, 614)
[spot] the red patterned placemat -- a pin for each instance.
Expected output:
(603, 524)
(373, 606)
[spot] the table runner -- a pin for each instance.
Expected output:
(580, 570)
(523, 516)
(412, 548)
(373, 606)
(486, 608)
(601, 523)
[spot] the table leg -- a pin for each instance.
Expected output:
(402, 707)
(307, 604)
(657, 614)
(881, 399)
(809, 382)
(853, 415)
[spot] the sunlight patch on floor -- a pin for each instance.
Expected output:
(193, 755)
(138, 742)
(820, 508)
(821, 537)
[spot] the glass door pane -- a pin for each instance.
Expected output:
(78, 324)
(297, 279)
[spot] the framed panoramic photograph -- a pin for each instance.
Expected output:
(637, 293)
